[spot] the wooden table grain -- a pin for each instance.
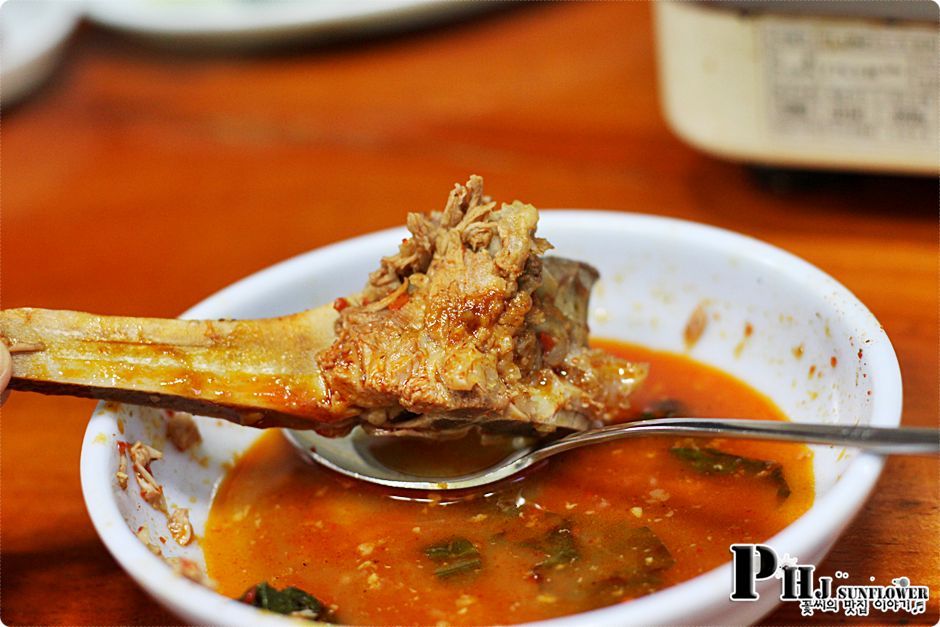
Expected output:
(140, 180)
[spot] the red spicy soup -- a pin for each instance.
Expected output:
(591, 528)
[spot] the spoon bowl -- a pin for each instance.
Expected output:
(355, 456)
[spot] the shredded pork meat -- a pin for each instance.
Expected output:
(121, 474)
(180, 527)
(469, 325)
(182, 431)
(150, 490)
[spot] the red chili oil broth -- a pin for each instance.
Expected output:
(590, 528)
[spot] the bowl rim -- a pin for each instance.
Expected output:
(812, 533)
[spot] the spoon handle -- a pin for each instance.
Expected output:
(882, 440)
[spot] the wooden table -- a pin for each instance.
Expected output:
(141, 180)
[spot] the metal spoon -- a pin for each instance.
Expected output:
(352, 454)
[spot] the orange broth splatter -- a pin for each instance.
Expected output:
(590, 528)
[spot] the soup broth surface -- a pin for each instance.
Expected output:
(589, 528)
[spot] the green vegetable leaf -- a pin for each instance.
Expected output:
(451, 549)
(600, 564)
(290, 601)
(459, 567)
(710, 461)
(559, 548)
(456, 556)
(644, 559)
(655, 557)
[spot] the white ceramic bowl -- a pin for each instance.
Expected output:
(655, 272)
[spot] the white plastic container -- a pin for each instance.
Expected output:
(836, 85)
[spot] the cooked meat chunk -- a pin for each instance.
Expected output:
(150, 490)
(182, 431)
(121, 474)
(468, 325)
(180, 527)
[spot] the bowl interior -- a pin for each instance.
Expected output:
(770, 319)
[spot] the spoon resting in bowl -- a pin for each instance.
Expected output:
(353, 456)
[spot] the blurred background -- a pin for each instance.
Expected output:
(156, 151)
(208, 140)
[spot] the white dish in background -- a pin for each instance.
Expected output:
(31, 36)
(266, 21)
(655, 272)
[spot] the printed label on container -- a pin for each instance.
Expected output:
(875, 84)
